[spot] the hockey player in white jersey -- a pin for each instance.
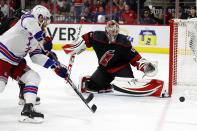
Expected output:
(22, 39)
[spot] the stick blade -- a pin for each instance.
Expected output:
(94, 108)
(90, 97)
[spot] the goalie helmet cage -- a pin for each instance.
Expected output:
(182, 58)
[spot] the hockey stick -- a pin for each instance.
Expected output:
(91, 95)
(87, 100)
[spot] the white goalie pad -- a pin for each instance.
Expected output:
(76, 47)
(139, 87)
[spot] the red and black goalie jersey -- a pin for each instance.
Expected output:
(112, 57)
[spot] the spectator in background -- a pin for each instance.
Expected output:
(87, 17)
(114, 5)
(160, 19)
(102, 3)
(15, 4)
(182, 13)
(78, 4)
(121, 5)
(87, 3)
(45, 4)
(4, 8)
(94, 7)
(60, 3)
(116, 15)
(128, 16)
(64, 10)
(146, 19)
(71, 17)
(157, 18)
(57, 8)
(100, 16)
(192, 13)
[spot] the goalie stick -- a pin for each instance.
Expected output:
(93, 108)
(72, 57)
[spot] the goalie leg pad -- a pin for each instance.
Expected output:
(142, 87)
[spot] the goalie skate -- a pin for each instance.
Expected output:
(83, 87)
(29, 115)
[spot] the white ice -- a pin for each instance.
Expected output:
(64, 111)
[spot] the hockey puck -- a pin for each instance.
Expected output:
(182, 99)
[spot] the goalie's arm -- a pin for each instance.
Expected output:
(136, 60)
(79, 45)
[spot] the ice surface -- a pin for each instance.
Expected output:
(64, 111)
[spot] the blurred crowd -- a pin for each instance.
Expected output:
(100, 11)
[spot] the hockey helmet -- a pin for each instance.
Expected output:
(112, 30)
(40, 10)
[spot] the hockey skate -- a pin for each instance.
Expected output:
(29, 115)
(21, 95)
(22, 100)
(84, 88)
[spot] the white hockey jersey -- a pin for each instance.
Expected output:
(21, 40)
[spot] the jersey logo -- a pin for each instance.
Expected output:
(133, 50)
(106, 57)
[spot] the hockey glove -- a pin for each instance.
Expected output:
(47, 46)
(149, 68)
(77, 47)
(60, 70)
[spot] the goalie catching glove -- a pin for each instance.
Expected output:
(149, 68)
(76, 47)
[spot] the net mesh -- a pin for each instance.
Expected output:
(184, 54)
(185, 50)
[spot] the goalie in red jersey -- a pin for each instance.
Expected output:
(115, 55)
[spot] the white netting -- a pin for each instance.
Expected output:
(184, 54)
(186, 50)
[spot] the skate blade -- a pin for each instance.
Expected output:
(35, 120)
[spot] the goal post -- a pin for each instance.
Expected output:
(182, 55)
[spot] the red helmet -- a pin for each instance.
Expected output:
(112, 30)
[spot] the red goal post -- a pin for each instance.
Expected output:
(182, 54)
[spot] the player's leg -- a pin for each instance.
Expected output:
(17, 73)
(98, 82)
(31, 80)
(125, 72)
(4, 74)
(21, 94)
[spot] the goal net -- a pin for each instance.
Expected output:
(183, 56)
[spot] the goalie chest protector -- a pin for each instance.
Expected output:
(112, 56)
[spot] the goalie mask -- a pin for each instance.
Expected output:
(112, 30)
(39, 11)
